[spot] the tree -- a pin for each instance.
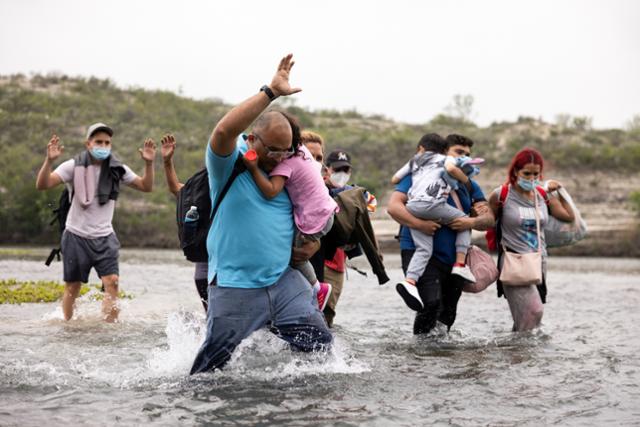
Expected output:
(461, 107)
(633, 125)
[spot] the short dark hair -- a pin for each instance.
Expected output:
(433, 142)
(455, 139)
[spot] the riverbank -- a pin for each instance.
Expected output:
(603, 201)
(600, 242)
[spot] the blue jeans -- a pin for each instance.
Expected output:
(288, 308)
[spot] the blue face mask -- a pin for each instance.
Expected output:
(100, 153)
(526, 184)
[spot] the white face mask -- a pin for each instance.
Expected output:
(340, 179)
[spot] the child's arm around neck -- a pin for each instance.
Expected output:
(269, 186)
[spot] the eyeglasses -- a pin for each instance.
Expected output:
(275, 153)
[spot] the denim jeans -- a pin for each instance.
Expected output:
(288, 308)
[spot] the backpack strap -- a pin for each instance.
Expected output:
(504, 191)
(238, 168)
(544, 194)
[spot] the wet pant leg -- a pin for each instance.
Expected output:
(201, 287)
(336, 280)
(451, 292)
(429, 288)
(525, 305)
(234, 313)
(295, 314)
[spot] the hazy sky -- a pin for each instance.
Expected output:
(403, 59)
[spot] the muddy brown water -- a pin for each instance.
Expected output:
(582, 367)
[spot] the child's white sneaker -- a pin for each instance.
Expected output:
(464, 272)
(410, 295)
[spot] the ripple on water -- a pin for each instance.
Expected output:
(581, 368)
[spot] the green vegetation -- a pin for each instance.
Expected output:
(32, 108)
(634, 199)
(15, 252)
(13, 291)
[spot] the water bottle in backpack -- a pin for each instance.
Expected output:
(190, 224)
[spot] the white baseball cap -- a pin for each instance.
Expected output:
(98, 127)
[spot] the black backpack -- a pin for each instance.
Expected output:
(195, 192)
(60, 216)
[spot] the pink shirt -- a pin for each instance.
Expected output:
(312, 204)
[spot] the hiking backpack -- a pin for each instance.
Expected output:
(195, 192)
(60, 214)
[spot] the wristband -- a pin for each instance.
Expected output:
(267, 90)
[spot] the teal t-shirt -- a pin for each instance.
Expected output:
(249, 242)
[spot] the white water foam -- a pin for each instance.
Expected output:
(262, 355)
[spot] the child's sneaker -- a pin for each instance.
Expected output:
(323, 295)
(465, 272)
(410, 295)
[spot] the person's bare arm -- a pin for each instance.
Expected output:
(398, 211)
(455, 172)
(558, 207)
(223, 138)
(485, 218)
(46, 178)
(148, 154)
(269, 186)
(167, 148)
(493, 203)
(561, 209)
(482, 222)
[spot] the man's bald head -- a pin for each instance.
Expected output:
(274, 131)
(276, 125)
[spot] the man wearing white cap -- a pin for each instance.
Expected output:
(89, 241)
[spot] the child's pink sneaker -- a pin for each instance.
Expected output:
(323, 295)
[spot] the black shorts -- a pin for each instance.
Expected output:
(79, 255)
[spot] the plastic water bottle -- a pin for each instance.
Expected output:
(190, 224)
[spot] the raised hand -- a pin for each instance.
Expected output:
(168, 147)
(148, 151)
(280, 82)
(54, 149)
(553, 185)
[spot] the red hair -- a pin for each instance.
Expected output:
(521, 159)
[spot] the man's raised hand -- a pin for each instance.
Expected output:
(168, 147)
(148, 152)
(280, 82)
(54, 149)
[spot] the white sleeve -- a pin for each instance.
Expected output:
(129, 175)
(65, 170)
(451, 160)
(403, 171)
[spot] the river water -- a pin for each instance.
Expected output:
(581, 368)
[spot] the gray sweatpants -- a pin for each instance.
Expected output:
(440, 212)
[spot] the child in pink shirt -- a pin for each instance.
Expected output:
(313, 207)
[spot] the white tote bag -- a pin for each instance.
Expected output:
(560, 233)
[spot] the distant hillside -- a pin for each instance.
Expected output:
(32, 108)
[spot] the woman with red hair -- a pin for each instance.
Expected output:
(514, 204)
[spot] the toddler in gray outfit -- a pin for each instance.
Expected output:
(431, 172)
